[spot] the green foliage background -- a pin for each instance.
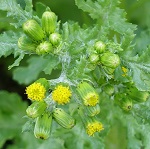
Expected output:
(125, 131)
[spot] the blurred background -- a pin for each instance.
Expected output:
(137, 13)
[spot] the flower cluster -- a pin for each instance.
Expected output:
(40, 39)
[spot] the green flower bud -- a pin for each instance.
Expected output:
(109, 89)
(55, 38)
(124, 102)
(108, 70)
(110, 60)
(43, 126)
(94, 58)
(49, 20)
(44, 47)
(100, 47)
(92, 111)
(63, 118)
(32, 29)
(88, 94)
(44, 82)
(36, 109)
(139, 96)
(25, 44)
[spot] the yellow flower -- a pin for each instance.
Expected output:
(88, 94)
(125, 70)
(36, 91)
(61, 94)
(91, 99)
(93, 127)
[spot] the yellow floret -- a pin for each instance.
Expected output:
(36, 91)
(91, 99)
(94, 127)
(61, 94)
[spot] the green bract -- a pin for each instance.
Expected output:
(92, 111)
(100, 47)
(44, 47)
(33, 30)
(26, 44)
(109, 89)
(63, 118)
(136, 95)
(36, 109)
(49, 20)
(110, 60)
(124, 102)
(94, 58)
(55, 38)
(43, 126)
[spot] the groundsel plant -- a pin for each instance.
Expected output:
(98, 80)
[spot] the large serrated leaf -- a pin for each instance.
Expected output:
(8, 42)
(12, 109)
(25, 75)
(14, 10)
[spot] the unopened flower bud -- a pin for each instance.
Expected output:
(124, 102)
(63, 118)
(49, 20)
(110, 60)
(136, 95)
(43, 126)
(36, 109)
(44, 47)
(55, 38)
(33, 30)
(100, 47)
(109, 89)
(94, 58)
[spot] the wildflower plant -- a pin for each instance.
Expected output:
(82, 80)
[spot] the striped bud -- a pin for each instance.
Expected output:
(100, 47)
(92, 111)
(124, 102)
(25, 44)
(94, 58)
(44, 47)
(110, 60)
(55, 38)
(36, 109)
(43, 126)
(108, 70)
(32, 29)
(63, 118)
(49, 20)
(88, 94)
(136, 95)
(109, 89)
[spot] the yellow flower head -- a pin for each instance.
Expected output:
(125, 70)
(61, 94)
(91, 99)
(36, 91)
(88, 94)
(93, 127)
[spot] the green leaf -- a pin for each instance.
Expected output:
(25, 75)
(140, 67)
(12, 109)
(14, 10)
(8, 42)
